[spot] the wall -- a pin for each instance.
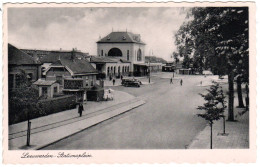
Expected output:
(33, 69)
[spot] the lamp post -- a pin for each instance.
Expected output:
(149, 71)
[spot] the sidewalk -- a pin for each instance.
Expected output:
(238, 134)
(49, 129)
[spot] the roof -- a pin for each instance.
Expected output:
(154, 59)
(18, 57)
(44, 82)
(76, 66)
(53, 56)
(122, 37)
(96, 59)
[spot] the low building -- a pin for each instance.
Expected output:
(20, 61)
(47, 88)
(154, 63)
(74, 76)
(111, 67)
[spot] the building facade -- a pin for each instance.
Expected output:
(125, 47)
(19, 61)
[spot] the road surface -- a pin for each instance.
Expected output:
(167, 121)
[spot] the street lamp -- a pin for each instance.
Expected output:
(149, 71)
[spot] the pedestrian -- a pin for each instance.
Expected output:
(114, 81)
(110, 77)
(200, 83)
(171, 81)
(80, 109)
(181, 82)
(121, 77)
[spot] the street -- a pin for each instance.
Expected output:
(167, 121)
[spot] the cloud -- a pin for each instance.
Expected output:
(54, 28)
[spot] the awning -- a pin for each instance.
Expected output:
(141, 64)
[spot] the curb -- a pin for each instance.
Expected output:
(139, 103)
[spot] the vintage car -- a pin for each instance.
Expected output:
(130, 82)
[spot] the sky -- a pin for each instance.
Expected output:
(81, 28)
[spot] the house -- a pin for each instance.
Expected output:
(75, 76)
(20, 61)
(47, 88)
(126, 47)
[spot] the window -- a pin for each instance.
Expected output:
(55, 89)
(139, 55)
(108, 70)
(115, 52)
(127, 54)
(59, 79)
(44, 90)
(102, 52)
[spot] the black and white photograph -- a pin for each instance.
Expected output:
(129, 78)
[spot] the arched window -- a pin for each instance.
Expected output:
(139, 55)
(123, 69)
(115, 52)
(114, 69)
(108, 70)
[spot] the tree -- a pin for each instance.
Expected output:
(214, 106)
(220, 42)
(22, 99)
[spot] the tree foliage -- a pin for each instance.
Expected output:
(215, 103)
(216, 33)
(22, 99)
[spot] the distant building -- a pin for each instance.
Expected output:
(154, 63)
(125, 47)
(19, 60)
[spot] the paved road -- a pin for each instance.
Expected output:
(167, 121)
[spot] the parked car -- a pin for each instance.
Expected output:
(138, 81)
(130, 82)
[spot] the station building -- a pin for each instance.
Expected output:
(126, 50)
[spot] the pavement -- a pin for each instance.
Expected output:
(67, 123)
(236, 133)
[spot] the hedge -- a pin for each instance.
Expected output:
(43, 108)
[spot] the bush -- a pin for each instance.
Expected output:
(43, 108)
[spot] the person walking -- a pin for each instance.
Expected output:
(171, 81)
(114, 81)
(181, 82)
(80, 109)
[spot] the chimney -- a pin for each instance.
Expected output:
(35, 56)
(73, 55)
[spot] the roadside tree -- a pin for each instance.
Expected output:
(214, 107)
